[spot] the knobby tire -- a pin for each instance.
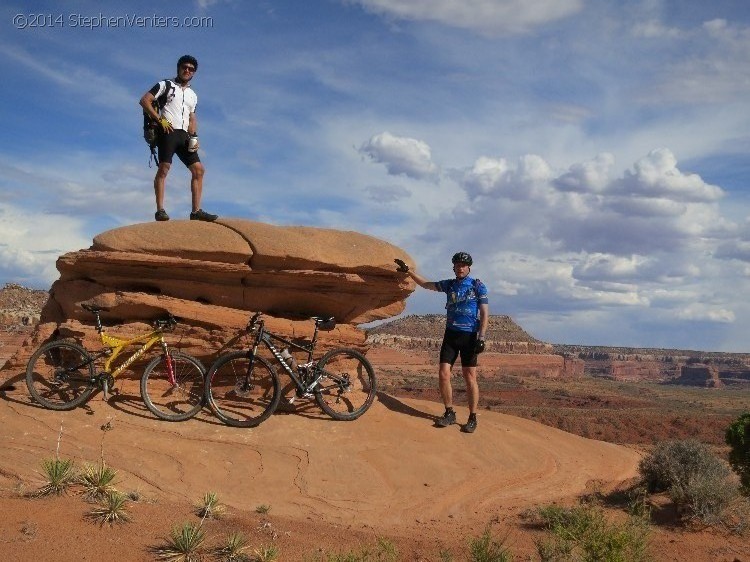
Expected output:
(347, 387)
(180, 401)
(239, 398)
(60, 375)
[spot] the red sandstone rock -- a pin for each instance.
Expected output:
(215, 275)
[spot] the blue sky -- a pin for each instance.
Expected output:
(594, 157)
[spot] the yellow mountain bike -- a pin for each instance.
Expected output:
(60, 374)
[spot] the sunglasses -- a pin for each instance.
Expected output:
(188, 68)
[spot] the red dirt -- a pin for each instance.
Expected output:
(332, 486)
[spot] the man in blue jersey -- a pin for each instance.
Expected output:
(465, 328)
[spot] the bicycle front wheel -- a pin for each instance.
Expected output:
(347, 384)
(239, 395)
(174, 398)
(60, 375)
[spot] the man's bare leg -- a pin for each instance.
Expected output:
(196, 184)
(160, 180)
(472, 388)
(446, 390)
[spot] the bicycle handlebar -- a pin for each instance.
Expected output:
(253, 321)
(167, 324)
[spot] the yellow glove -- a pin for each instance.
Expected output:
(165, 124)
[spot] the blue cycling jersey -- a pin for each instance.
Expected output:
(463, 299)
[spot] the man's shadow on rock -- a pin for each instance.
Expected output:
(395, 405)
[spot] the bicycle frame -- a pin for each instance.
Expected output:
(114, 346)
(267, 338)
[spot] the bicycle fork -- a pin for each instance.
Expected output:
(170, 365)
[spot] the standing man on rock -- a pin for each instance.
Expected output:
(175, 103)
(465, 328)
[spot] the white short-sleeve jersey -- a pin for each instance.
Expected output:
(181, 102)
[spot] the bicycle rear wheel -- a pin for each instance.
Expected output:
(347, 384)
(60, 375)
(181, 400)
(241, 396)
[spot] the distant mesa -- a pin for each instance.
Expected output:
(513, 351)
(426, 331)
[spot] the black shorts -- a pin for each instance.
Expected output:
(455, 343)
(176, 143)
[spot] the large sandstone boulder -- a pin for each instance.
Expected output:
(213, 276)
(291, 272)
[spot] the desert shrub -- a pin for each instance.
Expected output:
(696, 480)
(582, 533)
(486, 548)
(738, 438)
(675, 463)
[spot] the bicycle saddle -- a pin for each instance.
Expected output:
(325, 323)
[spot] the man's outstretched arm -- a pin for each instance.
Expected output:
(418, 279)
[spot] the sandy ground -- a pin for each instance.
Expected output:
(389, 471)
(331, 486)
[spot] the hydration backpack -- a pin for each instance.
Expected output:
(151, 128)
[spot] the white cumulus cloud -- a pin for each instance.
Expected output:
(657, 176)
(401, 155)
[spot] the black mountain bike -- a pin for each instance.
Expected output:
(243, 388)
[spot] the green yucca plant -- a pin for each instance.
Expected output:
(97, 481)
(185, 544)
(59, 475)
(111, 509)
(234, 549)
(263, 509)
(210, 507)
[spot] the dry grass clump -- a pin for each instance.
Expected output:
(583, 533)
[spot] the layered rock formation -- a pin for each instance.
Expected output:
(214, 275)
(699, 375)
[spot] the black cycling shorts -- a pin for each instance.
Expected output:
(176, 143)
(457, 343)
